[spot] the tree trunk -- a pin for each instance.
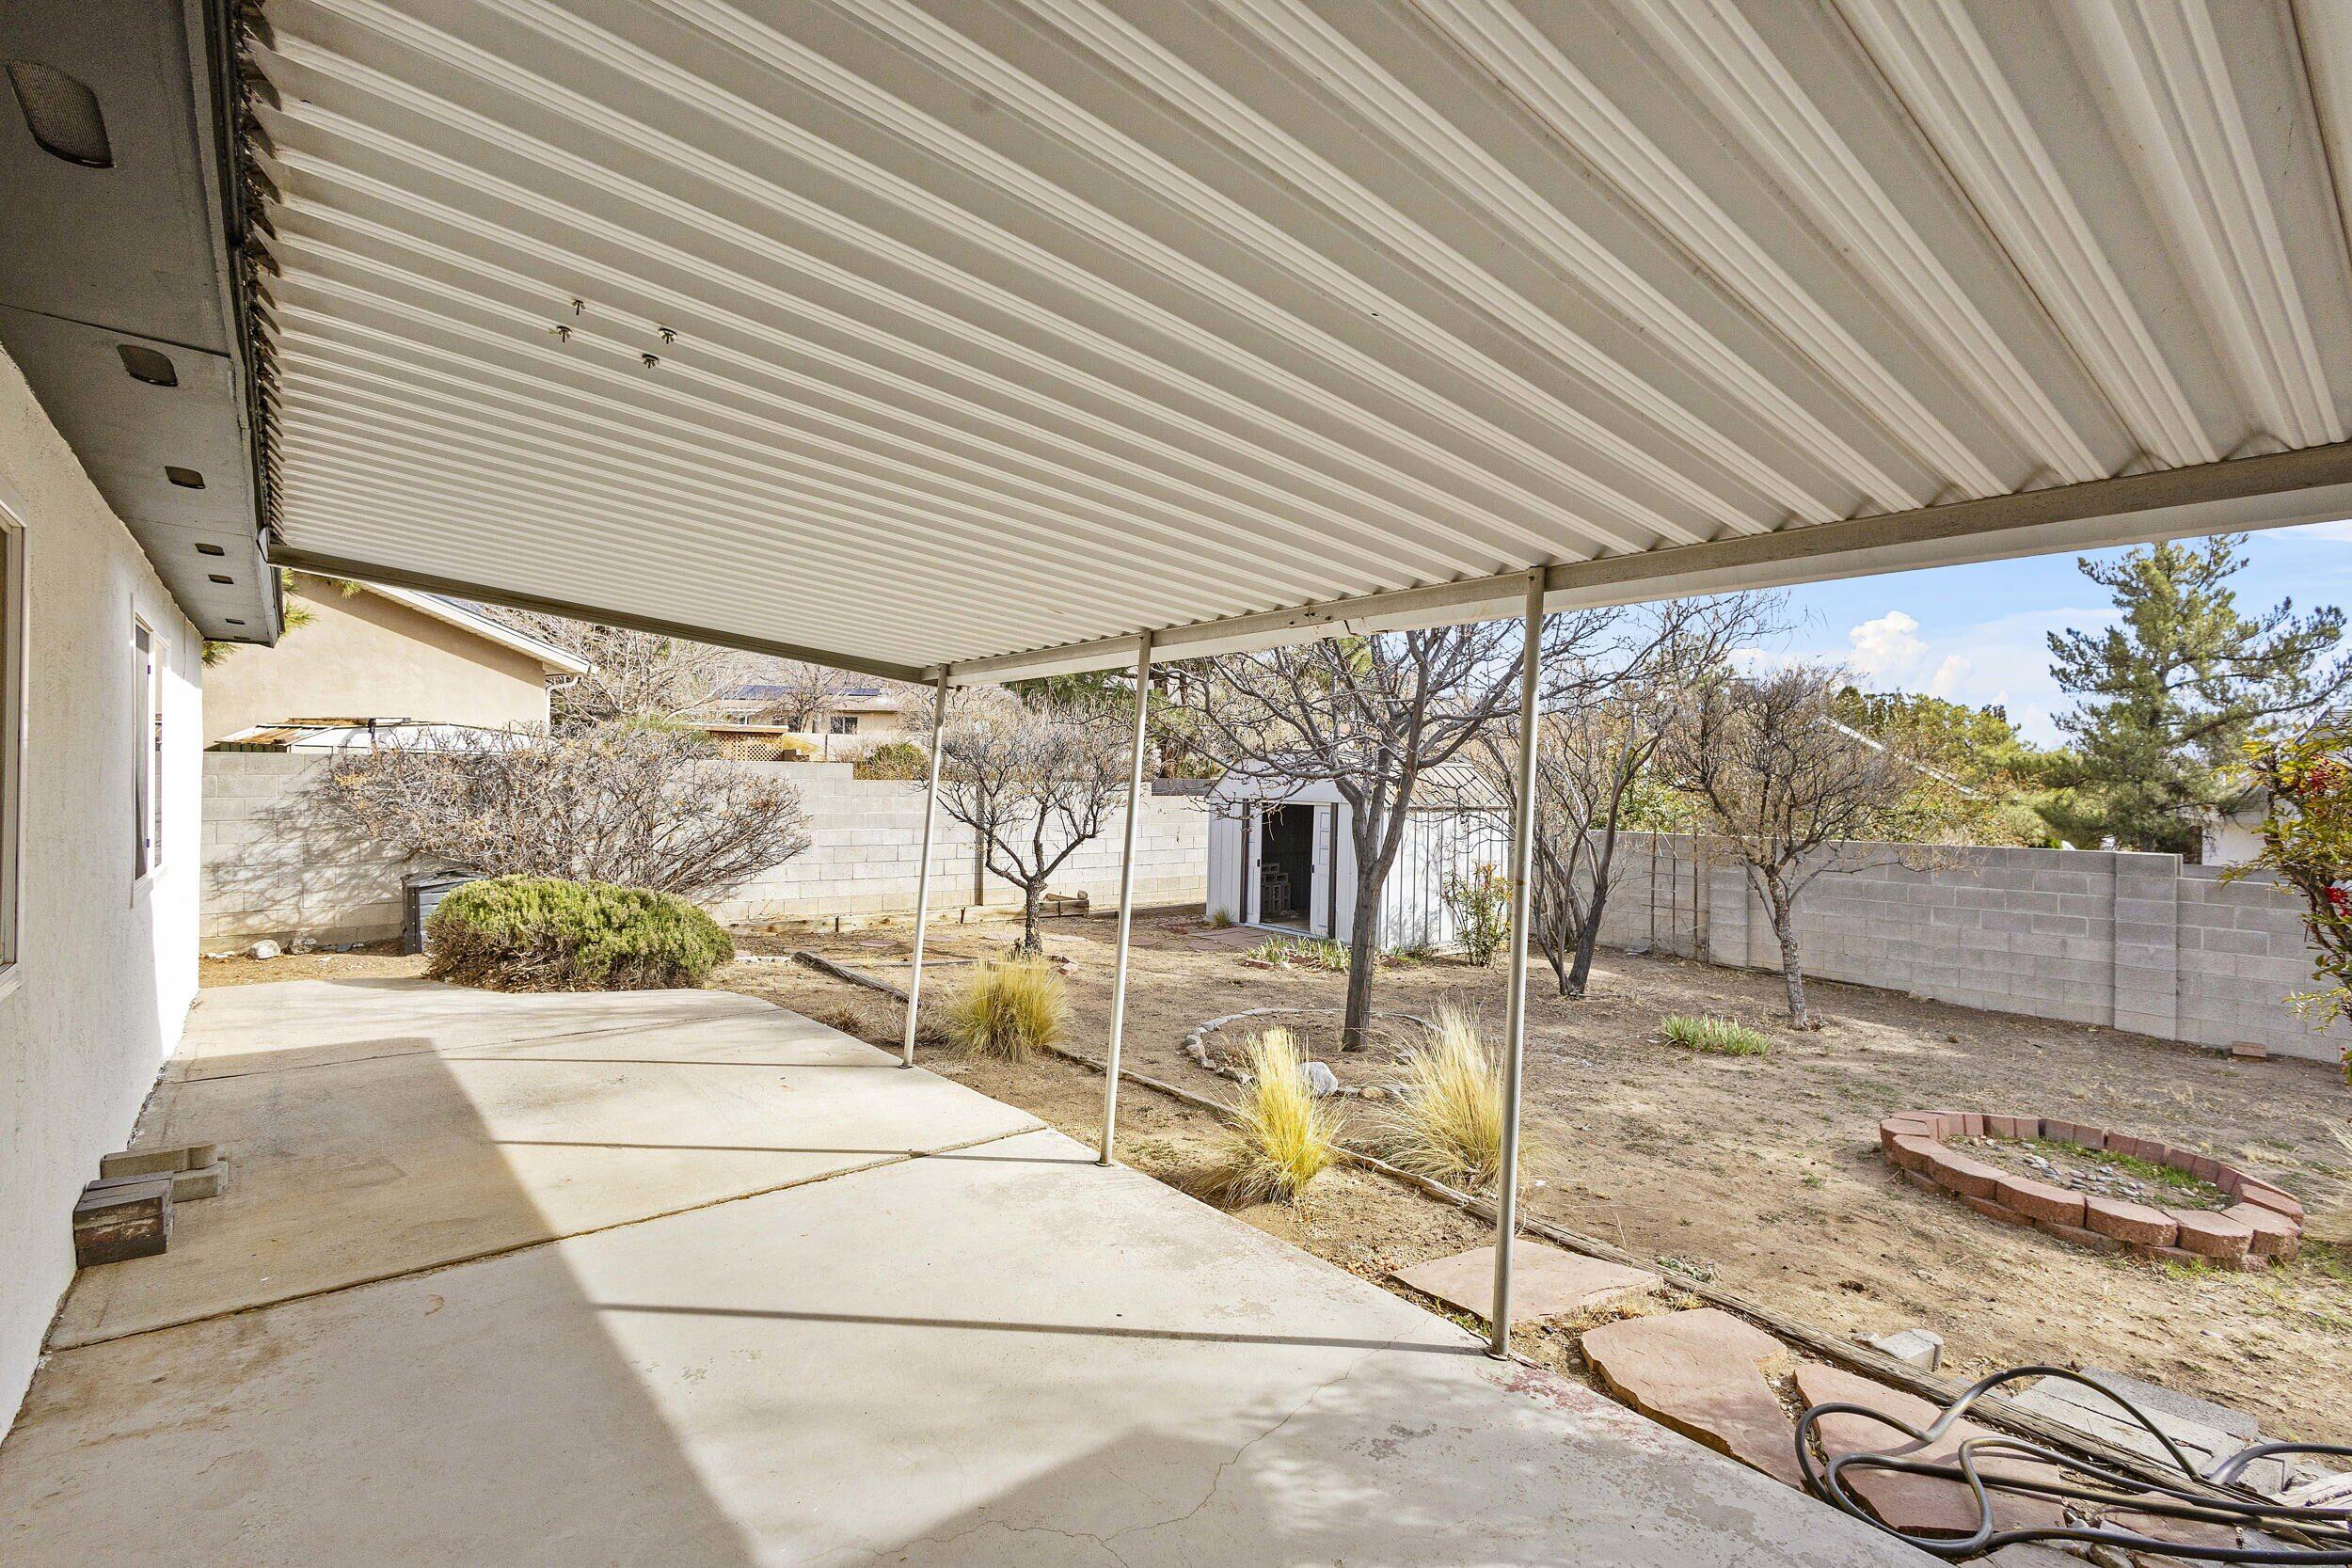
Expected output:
(1791, 966)
(1363, 955)
(1031, 945)
(1582, 971)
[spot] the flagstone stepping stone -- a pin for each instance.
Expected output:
(1917, 1505)
(1545, 1281)
(1702, 1373)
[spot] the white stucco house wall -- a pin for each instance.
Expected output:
(101, 686)
(1283, 857)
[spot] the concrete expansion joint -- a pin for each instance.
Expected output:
(443, 1266)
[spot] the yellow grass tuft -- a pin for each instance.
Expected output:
(1446, 1119)
(1282, 1138)
(1010, 1010)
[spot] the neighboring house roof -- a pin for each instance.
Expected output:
(338, 735)
(869, 697)
(457, 613)
(1448, 786)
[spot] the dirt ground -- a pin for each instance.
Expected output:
(1762, 1173)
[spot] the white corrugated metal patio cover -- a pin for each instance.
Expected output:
(907, 334)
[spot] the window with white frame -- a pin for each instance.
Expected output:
(147, 773)
(13, 646)
(845, 723)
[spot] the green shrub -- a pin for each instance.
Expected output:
(1481, 903)
(1010, 1010)
(542, 933)
(894, 759)
(1220, 919)
(1282, 1136)
(1721, 1037)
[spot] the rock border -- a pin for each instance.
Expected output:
(1196, 1043)
(2263, 1226)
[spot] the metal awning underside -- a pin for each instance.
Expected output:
(1009, 327)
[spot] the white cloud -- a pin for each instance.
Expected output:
(1884, 648)
(1947, 676)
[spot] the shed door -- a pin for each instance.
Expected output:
(1251, 842)
(1319, 894)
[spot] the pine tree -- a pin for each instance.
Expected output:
(2173, 693)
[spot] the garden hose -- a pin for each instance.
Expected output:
(2297, 1533)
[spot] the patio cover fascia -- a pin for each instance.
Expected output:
(2280, 490)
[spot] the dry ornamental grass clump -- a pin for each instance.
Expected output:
(1283, 1137)
(1445, 1121)
(1010, 1010)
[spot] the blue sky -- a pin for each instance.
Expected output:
(1979, 634)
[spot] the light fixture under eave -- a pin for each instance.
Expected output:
(62, 114)
(149, 365)
(187, 479)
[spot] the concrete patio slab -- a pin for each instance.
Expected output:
(493, 1122)
(995, 1355)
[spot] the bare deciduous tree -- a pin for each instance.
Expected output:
(638, 676)
(806, 694)
(1600, 735)
(1370, 715)
(1033, 781)
(1783, 779)
(637, 807)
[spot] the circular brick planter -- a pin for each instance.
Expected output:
(2263, 1225)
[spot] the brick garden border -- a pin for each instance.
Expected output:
(2263, 1225)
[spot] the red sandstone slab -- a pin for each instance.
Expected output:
(2129, 1221)
(2078, 1235)
(2262, 1195)
(1903, 1126)
(1545, 1281)
(2039, 1200)
(1911, 1153)
(2212, 1235)
(1700, 1373)
(1993, 1209)
(1923, 1505)
(2275, 1235)
(1969, 1178)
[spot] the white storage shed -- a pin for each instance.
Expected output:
(1283, 855)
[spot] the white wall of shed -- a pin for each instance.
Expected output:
(106, 966)
(1438, 845)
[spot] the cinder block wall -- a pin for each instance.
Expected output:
(2128, 941)
(279, 862)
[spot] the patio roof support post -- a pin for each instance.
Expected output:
(923, 877)
(1126, 896)
(1515, 1029)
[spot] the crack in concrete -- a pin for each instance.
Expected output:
(1105, 1542)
